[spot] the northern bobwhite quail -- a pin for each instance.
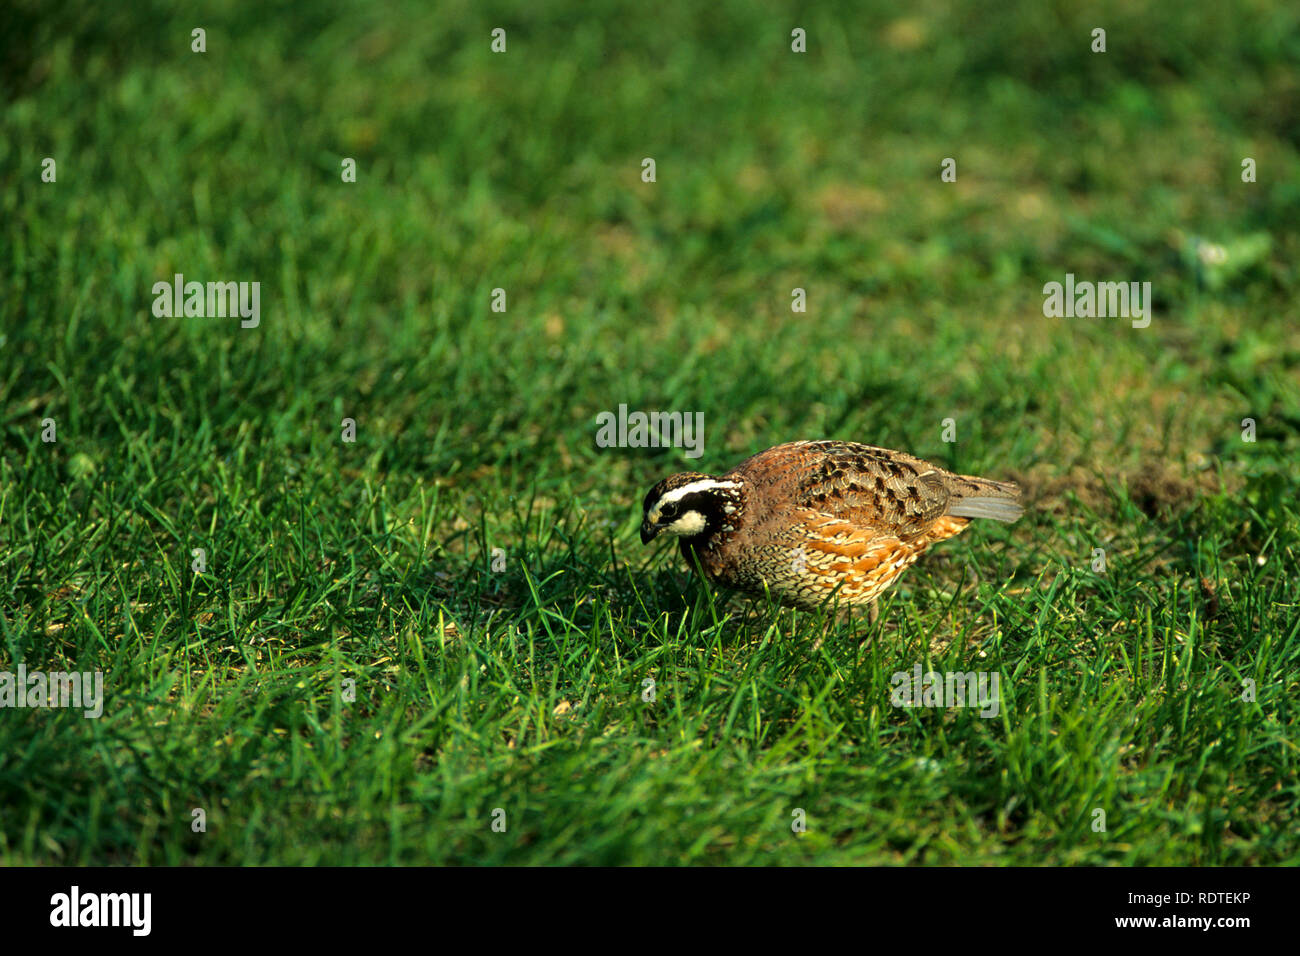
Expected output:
(819, 520)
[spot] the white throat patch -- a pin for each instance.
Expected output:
(691, 523)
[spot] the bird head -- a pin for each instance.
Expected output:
(688, 504)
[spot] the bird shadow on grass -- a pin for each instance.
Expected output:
(634, 605)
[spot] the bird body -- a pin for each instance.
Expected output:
(812, 521)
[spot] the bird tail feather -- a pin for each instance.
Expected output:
(981, 498)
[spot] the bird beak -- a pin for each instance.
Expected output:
(648, 532)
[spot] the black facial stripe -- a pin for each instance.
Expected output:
(707, 503)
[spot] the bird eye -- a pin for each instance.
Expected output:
(668, 511)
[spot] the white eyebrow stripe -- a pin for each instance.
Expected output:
(704, 484)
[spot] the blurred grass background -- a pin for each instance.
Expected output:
(475, 430)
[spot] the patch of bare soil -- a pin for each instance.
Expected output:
(1157, 487)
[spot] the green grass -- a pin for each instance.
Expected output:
(521, 689)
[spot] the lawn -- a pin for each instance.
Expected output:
(363, 587)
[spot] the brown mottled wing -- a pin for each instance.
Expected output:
(869, 487)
